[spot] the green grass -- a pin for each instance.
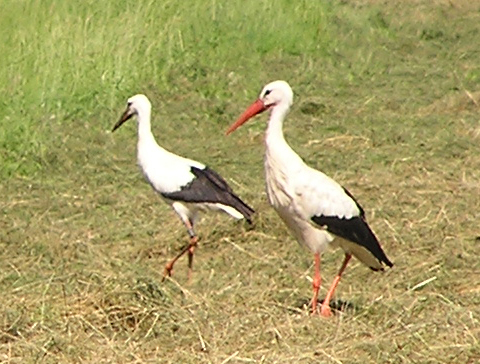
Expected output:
(68, 61)
(386, 101)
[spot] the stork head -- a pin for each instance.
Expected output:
(138, 104)
(275, 94)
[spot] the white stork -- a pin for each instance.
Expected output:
(188, 186)
(317, 210)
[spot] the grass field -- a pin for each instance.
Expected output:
(387, 101)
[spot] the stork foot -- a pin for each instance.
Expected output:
(167, 272)
(325, 311)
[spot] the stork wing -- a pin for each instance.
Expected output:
(316, 194)
(209, 187)
(329, 205)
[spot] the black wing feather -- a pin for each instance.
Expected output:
(210, 187)
(355, 230)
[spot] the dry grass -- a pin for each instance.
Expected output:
(76, 296)
(458, 102)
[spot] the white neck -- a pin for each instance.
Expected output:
(144, 128)
(275, 143)
(274, 131)
(281, 162)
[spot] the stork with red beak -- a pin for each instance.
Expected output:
(318, 211)
(186, 185)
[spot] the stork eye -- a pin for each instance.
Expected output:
(267, 92)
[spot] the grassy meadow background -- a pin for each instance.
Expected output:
(387, 101)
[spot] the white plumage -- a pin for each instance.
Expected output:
(165, 171)
(187, 185)
(318, 210)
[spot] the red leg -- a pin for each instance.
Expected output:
(325, 309)
(190, 248)
(317, 280)
(169, 265)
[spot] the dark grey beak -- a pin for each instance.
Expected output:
(127, 114)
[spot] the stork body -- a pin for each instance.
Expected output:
(318, 211)
(187, 185)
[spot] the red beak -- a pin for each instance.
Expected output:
(256, 108)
